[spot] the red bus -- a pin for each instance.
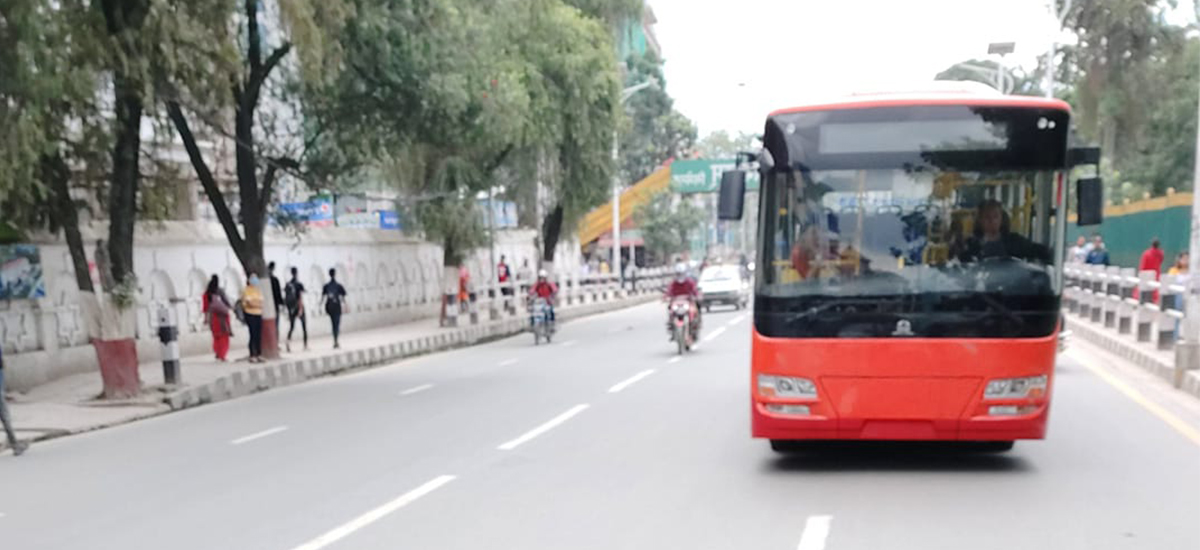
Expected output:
(910, 260)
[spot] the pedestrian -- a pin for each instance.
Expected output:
(333, 296)
(1078, 253)
(1181, 265)
(1097, 255)
(503, 276)
(293, 298)
(524, 275)
(16, 446)
(276, 294)
(464, 280)
(1152, 259)
(216, 308)
(252, 308)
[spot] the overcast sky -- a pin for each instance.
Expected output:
(730, 62)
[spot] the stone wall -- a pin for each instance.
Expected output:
(390, 278)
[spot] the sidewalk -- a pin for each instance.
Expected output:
(71, 405)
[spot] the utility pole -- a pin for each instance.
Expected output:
(616, 200)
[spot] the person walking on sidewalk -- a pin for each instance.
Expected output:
(503, 276)
(333, 296)
(16, 446)
(252, 307)
(276, 294)
(293, 297)
(216, 308)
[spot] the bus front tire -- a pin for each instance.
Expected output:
(787, 445)
(993, 446)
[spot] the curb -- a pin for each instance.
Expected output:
(286, 373)
(1125, 348)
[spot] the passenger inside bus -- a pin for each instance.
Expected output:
(994, 239)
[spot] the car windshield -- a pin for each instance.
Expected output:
(719, 274)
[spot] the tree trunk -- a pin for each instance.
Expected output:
(122, 206)
(57, 174)
(551, 231)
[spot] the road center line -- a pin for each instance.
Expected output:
(258, 435)
(630, 381)
(507, 362)
(417, 389)
(342, 531)
(675, 359)
(543, 428)
(816, 530)
(715, 333)
(735, 320)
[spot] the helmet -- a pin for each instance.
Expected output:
(680, 269)
(542, 274)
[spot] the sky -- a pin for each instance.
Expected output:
(730, 62)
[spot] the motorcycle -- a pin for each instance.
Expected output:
(539, 321)
(681, 323)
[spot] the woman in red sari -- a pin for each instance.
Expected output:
(217, 314)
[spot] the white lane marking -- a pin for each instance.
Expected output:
(342, 531)
(417, 389)
(569, 343)
(543, 428)
(816, 530)
(712, 335)
(258, 435)
(675, 359)
(735, 320)
(507, 362)
(630, 381)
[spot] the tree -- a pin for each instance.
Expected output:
(653, 131)
(265, 147)
(667, 222)
(720, 144)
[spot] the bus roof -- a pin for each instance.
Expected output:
(935, 93)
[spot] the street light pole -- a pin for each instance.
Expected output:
(616, 184)
(1060, 16)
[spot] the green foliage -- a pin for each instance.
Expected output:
(611, 12)
(653, 132)
(720, 144)
(667, 222)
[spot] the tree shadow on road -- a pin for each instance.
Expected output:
(895, 456)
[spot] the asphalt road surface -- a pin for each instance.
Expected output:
(602, 440)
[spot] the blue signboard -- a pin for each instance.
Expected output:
(389, 219)
(317, 212)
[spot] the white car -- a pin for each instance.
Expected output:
(725, 285)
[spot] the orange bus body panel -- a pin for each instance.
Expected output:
(902, 388)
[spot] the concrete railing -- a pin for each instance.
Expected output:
(1136, 315)
(497, 301)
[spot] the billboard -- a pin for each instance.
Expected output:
(389, 219)
(704, 175)
(316, 213)
(21, 272)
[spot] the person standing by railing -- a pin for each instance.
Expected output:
(1152, 259)
(1098, 255)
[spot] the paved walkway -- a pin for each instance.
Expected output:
(71, 405)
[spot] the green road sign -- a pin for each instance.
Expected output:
(704, 175)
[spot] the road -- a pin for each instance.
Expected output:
(601, 440)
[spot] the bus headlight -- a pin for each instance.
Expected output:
(1015, 388)
(785, 386)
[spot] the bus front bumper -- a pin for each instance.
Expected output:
(976, 427)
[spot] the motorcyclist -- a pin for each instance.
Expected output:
(546, 290)
(685, 286)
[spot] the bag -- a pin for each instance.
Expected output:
(239, 311)
(291, 296)
(333, 303)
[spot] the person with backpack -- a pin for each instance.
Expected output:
(333, 296)
(293, 298)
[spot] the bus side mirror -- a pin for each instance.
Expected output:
(733, 195)
(1091, 201)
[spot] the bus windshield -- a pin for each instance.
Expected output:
(943, 251)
